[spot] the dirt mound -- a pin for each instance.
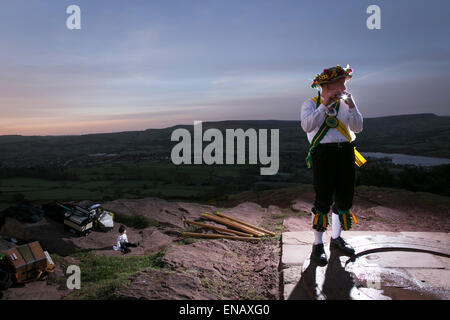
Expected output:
(52, 237)
(154, 284)
(38, 290)
(158, 209)
(150, 240)
(296, 224)
(171, 213)
(205, 256)
(230, 269)
(379, 209)
(249, 212)
(301, 205)
(209, 269)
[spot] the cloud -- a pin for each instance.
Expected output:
(411, 87)
(98, 123)
(155, 64)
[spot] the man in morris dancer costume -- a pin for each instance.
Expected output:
(331, 120)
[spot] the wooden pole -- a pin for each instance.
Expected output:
(245, 224)
(208, 226)
(232, 224)
(218, 236)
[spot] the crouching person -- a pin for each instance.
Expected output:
(122, 241)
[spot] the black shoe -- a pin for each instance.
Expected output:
(318, 255)
(343, 246)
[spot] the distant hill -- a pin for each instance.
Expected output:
(417, 134)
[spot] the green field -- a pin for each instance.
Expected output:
(123, 180)
(201, 183)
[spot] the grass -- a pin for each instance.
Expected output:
(272, 239)
(101, 276)
(189, 240)
(186, 241)
(251, 294)
(117, 180)
(217, 287)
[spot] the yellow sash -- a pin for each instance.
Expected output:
(359, 159)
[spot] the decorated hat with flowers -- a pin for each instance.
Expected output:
(331, 74)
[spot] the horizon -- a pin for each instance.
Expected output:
(207, 121)
(132, 67)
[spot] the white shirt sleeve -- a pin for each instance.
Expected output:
(124, 238)
(311, 118)
(355, 121)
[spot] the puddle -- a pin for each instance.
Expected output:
(381, 274)
(407, 294)
(391, 283)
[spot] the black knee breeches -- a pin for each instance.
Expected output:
(333, 176)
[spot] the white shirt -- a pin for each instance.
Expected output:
(312, 119)
(121, 239)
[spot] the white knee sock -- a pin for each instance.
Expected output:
(318, 236)
(335, 226)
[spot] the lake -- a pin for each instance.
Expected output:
(398, 158)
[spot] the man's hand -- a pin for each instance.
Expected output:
(331, 98)
(348, 99)
(334, 96)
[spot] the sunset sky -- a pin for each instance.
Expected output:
(145, 64)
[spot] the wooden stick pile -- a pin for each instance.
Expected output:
(237, 229)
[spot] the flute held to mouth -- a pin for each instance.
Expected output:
(344, 95)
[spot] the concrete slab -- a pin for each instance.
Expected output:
(433, 236)
(399, 259)
(294, 254)
(352, 234)
(384, 242)
(299, 238)
(432, 277)
(307, 237)
(292, 275)
(288, 288)
(445, 261)
(404, 274)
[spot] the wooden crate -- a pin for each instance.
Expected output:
(27, 261)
